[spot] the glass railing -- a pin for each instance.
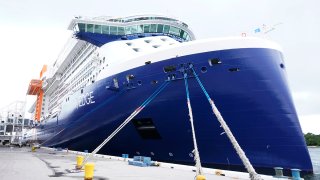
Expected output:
(134, 29)
(143, 19)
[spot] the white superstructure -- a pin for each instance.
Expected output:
(79, 63)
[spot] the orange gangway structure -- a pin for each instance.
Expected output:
(35, 88)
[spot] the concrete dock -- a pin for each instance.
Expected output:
(21, 163)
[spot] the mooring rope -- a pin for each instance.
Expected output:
(240, 152)
(125, 122)
(196, 151)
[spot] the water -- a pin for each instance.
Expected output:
(315, 158)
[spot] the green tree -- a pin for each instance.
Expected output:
(312, 139)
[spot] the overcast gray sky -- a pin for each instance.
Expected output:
(33, 32)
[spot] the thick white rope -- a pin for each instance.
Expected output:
(196, 151)
(240, 152)
(123, 124)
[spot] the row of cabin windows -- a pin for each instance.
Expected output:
(143, 28)
(75, 58)
(84, 78)
(69, 67)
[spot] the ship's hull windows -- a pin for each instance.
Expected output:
(160, 28)
(97, 29)
(89, 28)
(146, 28)
(174, 31)
(166, 29)
(182, 33)
(140, 28)
(105, 30)
(134, 29)
(120, 30)
(82, 27)
(153, 28)
(113, 30)
(127, 30)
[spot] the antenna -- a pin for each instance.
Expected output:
(267, 29)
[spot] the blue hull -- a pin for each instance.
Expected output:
(249, 88)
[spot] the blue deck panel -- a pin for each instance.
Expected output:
(255, 102)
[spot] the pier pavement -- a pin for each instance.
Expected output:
(22, 164)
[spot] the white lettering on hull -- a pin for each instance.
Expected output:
(86, 99)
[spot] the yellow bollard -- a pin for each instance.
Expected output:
(218, 172)
(79, 162)
(200, 177)
(33, 149)
(88, 171)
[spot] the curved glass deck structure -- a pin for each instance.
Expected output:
(101, 30)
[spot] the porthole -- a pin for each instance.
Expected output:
(139, 83)
(171, 68)
(152, 153)
(154, 82)
(214, 61)
(170, 154)
(191, 154)
(138, 152)
(234, 69)
(203, 69)
(282, 65)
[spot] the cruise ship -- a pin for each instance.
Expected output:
(111, 65)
